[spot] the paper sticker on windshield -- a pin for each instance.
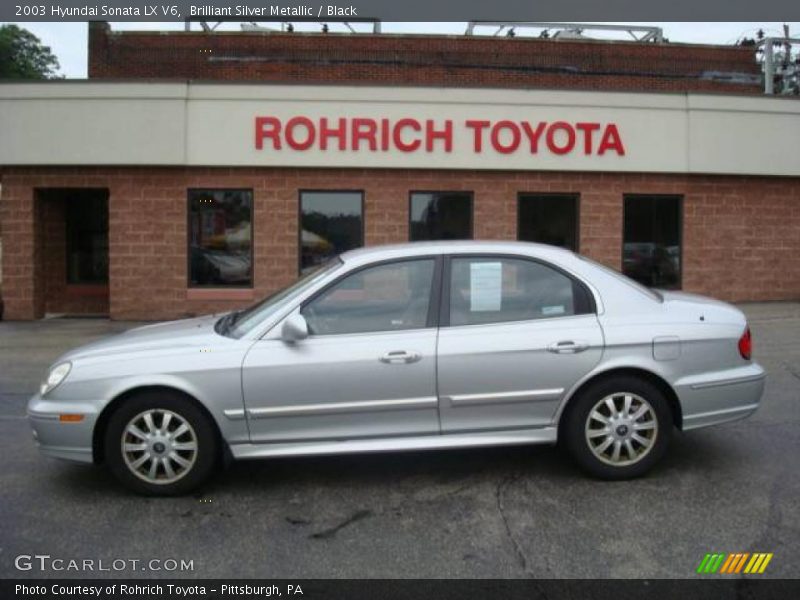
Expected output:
(485, 286)
(549, 311)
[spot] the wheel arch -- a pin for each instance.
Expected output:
(98, 434)
(649, 376)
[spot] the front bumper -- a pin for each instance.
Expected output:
(62, 439)
(720, 396)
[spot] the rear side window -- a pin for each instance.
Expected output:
(495, 290)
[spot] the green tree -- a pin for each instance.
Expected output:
(23, 56)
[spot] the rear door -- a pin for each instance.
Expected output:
(516, 334)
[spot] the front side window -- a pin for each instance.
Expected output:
(651, 252)
(440, 216)
(388, 297)
(248, 319)
(330, 223)
(220, 238)
(494, 290)
(548, 219)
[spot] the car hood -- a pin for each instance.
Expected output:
(177, 334)
(714, 311)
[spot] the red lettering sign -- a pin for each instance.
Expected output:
(568, 136)
(295, 123)
(478, 126)
(397, 135)
(533, 134)
(514, 134)
(407, 134)
(340, 133)
(611, 141)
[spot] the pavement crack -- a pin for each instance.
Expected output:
(792, 372)
(332, 531)
(498, 494)
(774, 519)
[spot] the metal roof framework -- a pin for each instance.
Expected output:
(639, 33)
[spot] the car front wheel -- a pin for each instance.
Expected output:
(160, 444)
(618, 428)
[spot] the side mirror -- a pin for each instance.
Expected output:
(294, 328)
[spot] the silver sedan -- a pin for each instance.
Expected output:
(408, 347)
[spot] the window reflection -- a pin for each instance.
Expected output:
(652, 240)
(440, 216)
(330, 223)
(220, 238)
(549, 219)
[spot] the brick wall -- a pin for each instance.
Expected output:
(456, 61)
(741, 235)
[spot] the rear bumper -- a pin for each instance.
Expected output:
(720, 396)
(66, 440)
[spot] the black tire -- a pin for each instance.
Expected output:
(205, 457)
(577, 415)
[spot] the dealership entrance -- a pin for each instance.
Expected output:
(73, 239)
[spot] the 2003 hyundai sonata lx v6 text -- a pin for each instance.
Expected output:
(408, 347)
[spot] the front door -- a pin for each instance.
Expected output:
(367, 369)
(516, 336)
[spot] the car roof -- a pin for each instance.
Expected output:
(391, 251)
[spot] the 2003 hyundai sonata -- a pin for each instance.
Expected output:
(409, 347)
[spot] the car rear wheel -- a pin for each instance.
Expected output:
(160, 444)
(618, 428)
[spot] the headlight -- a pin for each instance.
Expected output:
(57, 375)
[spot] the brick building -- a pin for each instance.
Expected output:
(140, 195)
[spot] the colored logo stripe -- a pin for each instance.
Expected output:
(710, 563)
(758, 563)
(733, 563)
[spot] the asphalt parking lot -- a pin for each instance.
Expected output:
(509, 512)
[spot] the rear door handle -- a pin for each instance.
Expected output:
(399, 357)
(567, 347)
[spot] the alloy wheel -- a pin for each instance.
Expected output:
(159, 446)
(621, 429)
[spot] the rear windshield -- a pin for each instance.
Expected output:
(649, 292)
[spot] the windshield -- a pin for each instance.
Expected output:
(649, 292)
(239, 323)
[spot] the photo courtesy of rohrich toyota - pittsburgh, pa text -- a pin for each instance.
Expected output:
(422, 300)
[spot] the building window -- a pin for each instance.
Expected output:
(548, 219)
(440, 216)
(220, 238)
(86, 216)
(330, 223)
(652, 240)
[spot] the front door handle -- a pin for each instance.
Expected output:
(567, 347)
(400, 357)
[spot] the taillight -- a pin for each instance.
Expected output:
(746, 344)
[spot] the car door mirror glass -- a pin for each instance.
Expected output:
(294, 328)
